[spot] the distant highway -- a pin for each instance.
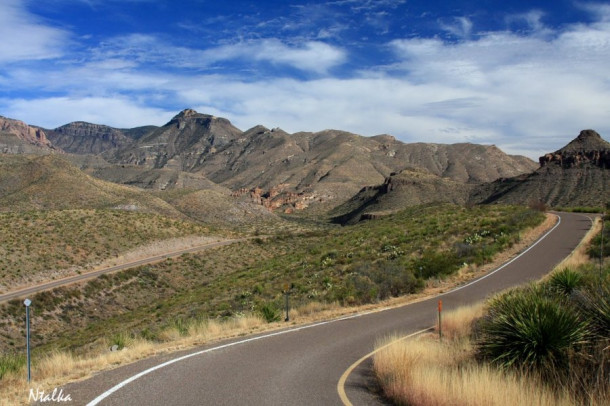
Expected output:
(318, 364)
(93, 274)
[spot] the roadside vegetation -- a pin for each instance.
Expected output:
(545, 343)
(326, 268)
(41, 245)
(350, 266)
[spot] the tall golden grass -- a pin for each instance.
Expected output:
(426, 372)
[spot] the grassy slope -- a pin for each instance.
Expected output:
(33, 244)
(51, 183)
(350, 265)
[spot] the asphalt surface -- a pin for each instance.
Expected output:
(22, 293)
(303, 366)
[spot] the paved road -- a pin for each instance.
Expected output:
(93, 274)
(304, 365)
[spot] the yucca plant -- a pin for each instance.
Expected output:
(566, 281)
(270, 313)
(595, 305)
(529, 330)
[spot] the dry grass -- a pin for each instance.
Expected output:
(58, 368)
(426, 372)
(457, 324)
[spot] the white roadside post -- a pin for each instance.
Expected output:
(27, 303)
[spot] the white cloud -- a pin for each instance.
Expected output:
(461, 27)
(313, 56)
(25, 37)
(113, 111)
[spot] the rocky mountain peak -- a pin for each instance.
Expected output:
(587, 140)
(32, 135)
(588, 148)
(188, 114)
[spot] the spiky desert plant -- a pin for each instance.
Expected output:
(270, 313)
(566, 281)
(529, 330)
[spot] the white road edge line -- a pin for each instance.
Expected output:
(341, 384)
(110, 391)
(506, 263)
(120, 385)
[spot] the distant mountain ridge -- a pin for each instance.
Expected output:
(273, 168)
(575, 175)
(326, 166)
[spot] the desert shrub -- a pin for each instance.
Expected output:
(565, 281)
(595, 248)
(121, 340)
(434, 264)
(529, 330)
(595, 306)
(270, 312)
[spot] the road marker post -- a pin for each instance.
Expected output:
(440, 326)
(27, 303)
(286, 301)
(601, 248)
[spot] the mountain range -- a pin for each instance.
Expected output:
(354, 176)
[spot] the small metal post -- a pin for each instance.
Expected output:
(440, 326)
(287, 307)
(601, 248)
(27, 304)
(287, 287)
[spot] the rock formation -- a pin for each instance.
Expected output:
(575, 175)
(588, 148)
(22, 131)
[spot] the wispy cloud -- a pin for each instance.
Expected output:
(313, 56)
(25, 37)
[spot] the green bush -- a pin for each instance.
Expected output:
(529, 330)
(566, 281)
(270, 313)
(434, 264)
(596, 245)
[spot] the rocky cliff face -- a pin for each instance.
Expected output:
(23, 132)
(273, 168)
(86, 138)
(575, 175)
(589, 148)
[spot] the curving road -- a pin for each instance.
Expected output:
(302, 366)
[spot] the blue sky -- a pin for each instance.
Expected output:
(524, 75)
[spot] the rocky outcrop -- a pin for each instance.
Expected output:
(31, 135)
(86, 138)
(588, 148)
(575, 175)
(277, 198)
